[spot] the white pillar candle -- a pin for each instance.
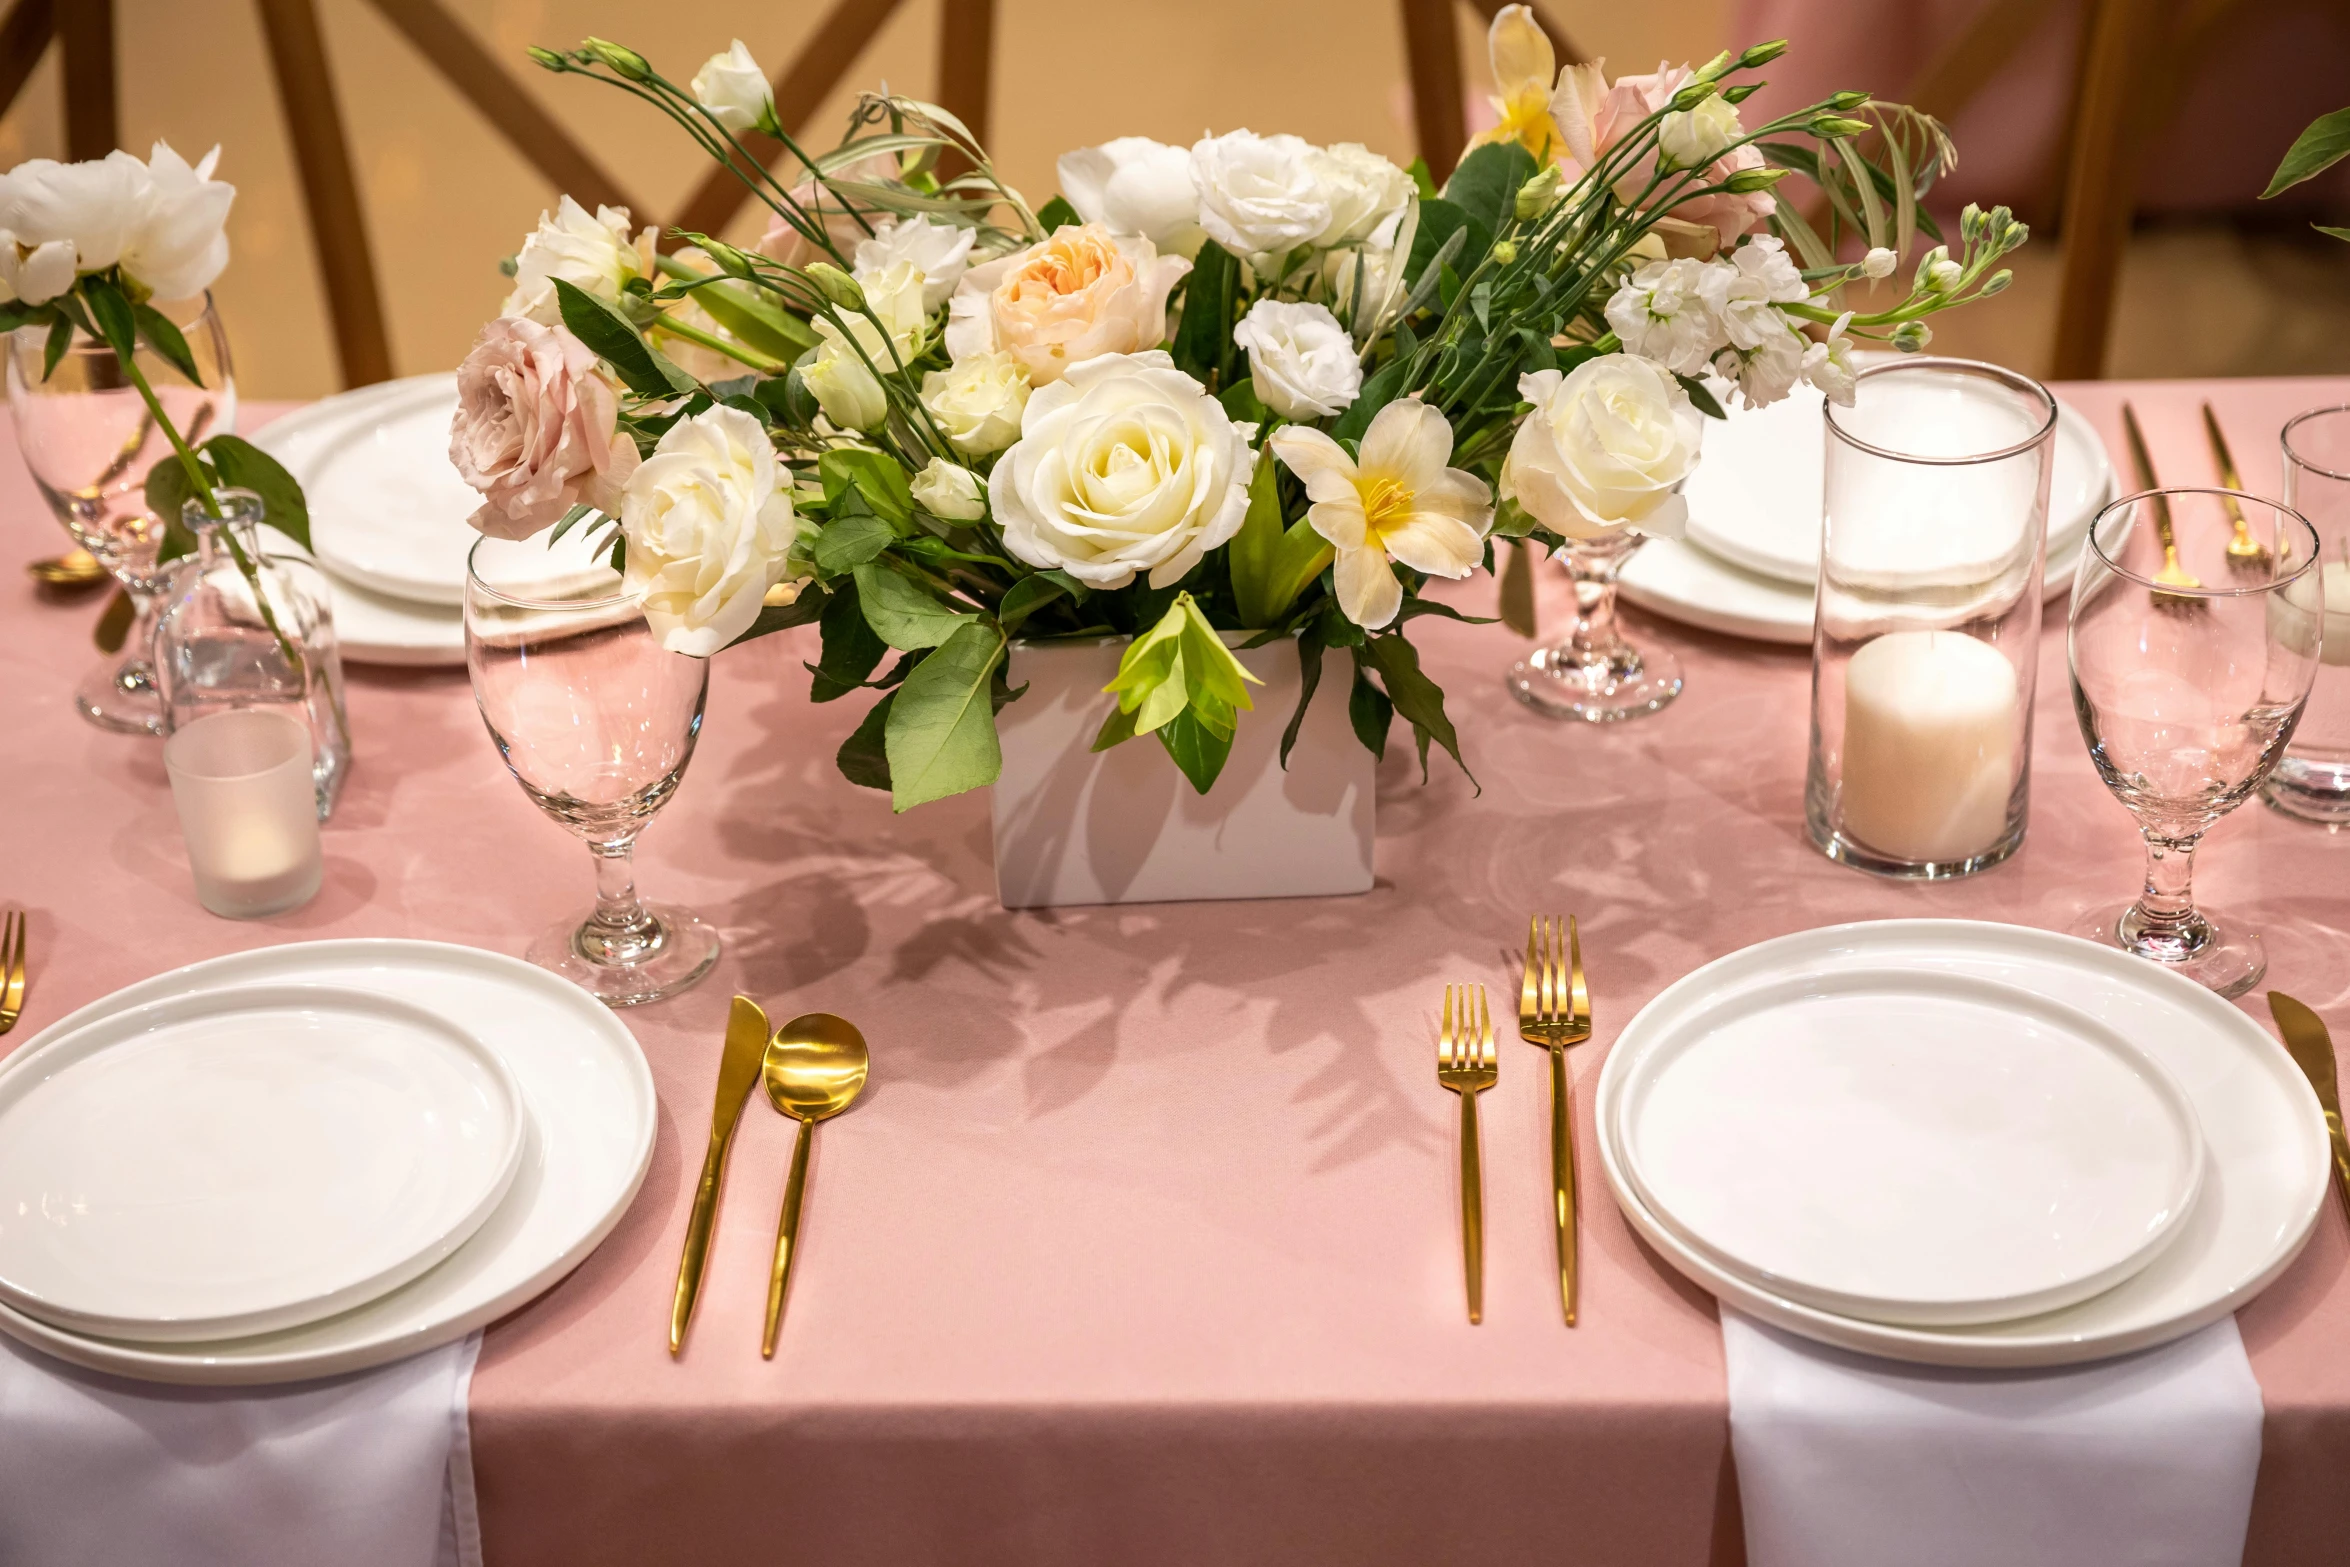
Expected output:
(1929, 745)
(2290, 612)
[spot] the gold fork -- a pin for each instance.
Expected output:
(12, 931)
(2172, 574)
(1554, 1011)
(2243, 548)
(1468, 1064)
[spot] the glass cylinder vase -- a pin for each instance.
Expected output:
(2313, 778)
(244, 628)
(1926, 630)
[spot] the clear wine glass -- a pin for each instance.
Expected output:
(2190, 668)
(1593, 673)
(90, 440)
(596, 720)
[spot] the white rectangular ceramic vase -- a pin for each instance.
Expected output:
(1125, 826)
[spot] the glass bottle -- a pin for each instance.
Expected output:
(241, 627)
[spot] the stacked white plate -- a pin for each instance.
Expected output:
(1751, 556)
(387, 515)
(310, 1159)
(1959, 1143)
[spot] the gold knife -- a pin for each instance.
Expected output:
(2312, 1049)
(738, 1074)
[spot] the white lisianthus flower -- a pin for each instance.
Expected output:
(977, 402)
(1769, 370)
(1077, 294)
(1258, 195)
(1363, 191)
(1605, 448)
(179, 242)
(36, 276)
(845, 388)
(1397, 502)
(1745, 290)
(1663, 313)
(710, 528)
(1693, 138)
(1124, 466)
(941, 252)
(1302, 361)
(594, 254)
(733, 88)
(1828, 365)
(1382, 278)
(1879, 262)
(844, 374)
(949, 490)
(1134, 185)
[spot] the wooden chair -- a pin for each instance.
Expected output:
(1433, 53)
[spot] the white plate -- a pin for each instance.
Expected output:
(387, 509)
(1922, 1148)
(237, 1161)
(591, 1117)
(1754, 498)
(371, 628)
(2266, 1156)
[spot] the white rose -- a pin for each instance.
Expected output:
(1301, 359)
(977, 402)
(1696, 137)
(1258, 195)
(179, 242)
(733, 88)
(38, 276)
(1124, 465)
(94, 206)
(940, 252)
(1664, 313)
(1364, 192)
(1829, 365)
(1605, 448)
(844, 388)
(593, 254)
(1745, 289)
(949, 490)
(709, 529)
(1136, 186)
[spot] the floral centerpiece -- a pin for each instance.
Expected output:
(1250, 390)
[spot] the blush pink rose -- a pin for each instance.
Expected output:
(536, 429)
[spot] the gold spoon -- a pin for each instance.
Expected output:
(815, 1069)
(76, 568)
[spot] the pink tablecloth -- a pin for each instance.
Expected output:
(1142, 1246)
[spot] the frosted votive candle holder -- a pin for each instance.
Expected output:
(248, 807)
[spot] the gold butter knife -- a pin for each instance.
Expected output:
(738, 1074)
(2312, 1049)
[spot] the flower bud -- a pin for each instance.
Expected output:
(1879, 262)
(1725, 61)
(1996, 283)
(835, 285)
(949, 491)
(1763, 54)
(1746, 180)
(546, 57)
(1911, 336)
(1741, 92)
(1829, 125)
(730, 260)
(1504, 252)
(1692, 95)
(1536, 195)
(1937, 273)
(624, 61)
(1846, 102)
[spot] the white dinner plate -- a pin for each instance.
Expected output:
(374, 628)
(231, 1162)
(387, 509)
(591, 1115)
(2266, 1157)
(1922, 1148)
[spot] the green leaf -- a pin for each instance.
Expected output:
(851, 649)
(1439, 221)
(1309, 675)
(613, 338)
(1203, 342)
(1024, 598)
(2315, 150)
(940, 735)
(1422, 180)
(1116, 729)
(60, 338)
(846, 543)
(1384, 386)
(1368, 709)
(1057, 213)
(16, 313)
(809, 606)
(111, 313)
(114, 623)
(1198, 749)
(1485, 186)
(1180, 665)
(877, 476)
(245, 466)
(1270, 566)
(767, 327)
(167, 494)
(1416, 697)
(2337, 233)
(156, 328)
(1241, 401)
(1413, 607)
(901, 613)
(863, 758)
(1701, 395)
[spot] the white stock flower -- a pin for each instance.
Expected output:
(1605, 448)
(38, 276)
(1134, 185)
(594, 254)
(1398, 501)
(1301, 360)
(949, 490)
(977, 402)
(179, 242)
(1879, 262)
(1769, 370)
(1258, 195)
(94, 206)
(710, 527)
(1695, 137)
(1125, 465)
(1937, 273)
(1664, 313)
(1829, 366)
(1745, 290)
(733, 88)
(941, 252)
(1363, 191)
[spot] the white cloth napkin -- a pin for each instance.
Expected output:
(368, 1470)
(1846, 1460)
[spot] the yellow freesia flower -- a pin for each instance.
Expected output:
(1523, 67)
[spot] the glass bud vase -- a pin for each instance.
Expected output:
(241, 627)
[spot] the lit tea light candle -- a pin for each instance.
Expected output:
(1930, 737)
(248, 807)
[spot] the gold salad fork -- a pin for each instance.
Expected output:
(2172, 574)
(11, 969)
(1468, 1064)
(2244, 551)
(1554, 1011)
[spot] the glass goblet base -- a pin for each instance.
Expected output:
(119, 696)
(2217, 954)
(1603, 686)
(627, 967)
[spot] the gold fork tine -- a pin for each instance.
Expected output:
(12, 968)
(1578, 990)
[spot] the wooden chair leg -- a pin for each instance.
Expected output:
(2120, 40)
(85, 29)
(966, 61)
(338, 229)
(24, 37)
(1433, 52)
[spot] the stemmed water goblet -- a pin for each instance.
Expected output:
(2190, 667)
(1594, 673)
(596, 720)
(90, 439)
